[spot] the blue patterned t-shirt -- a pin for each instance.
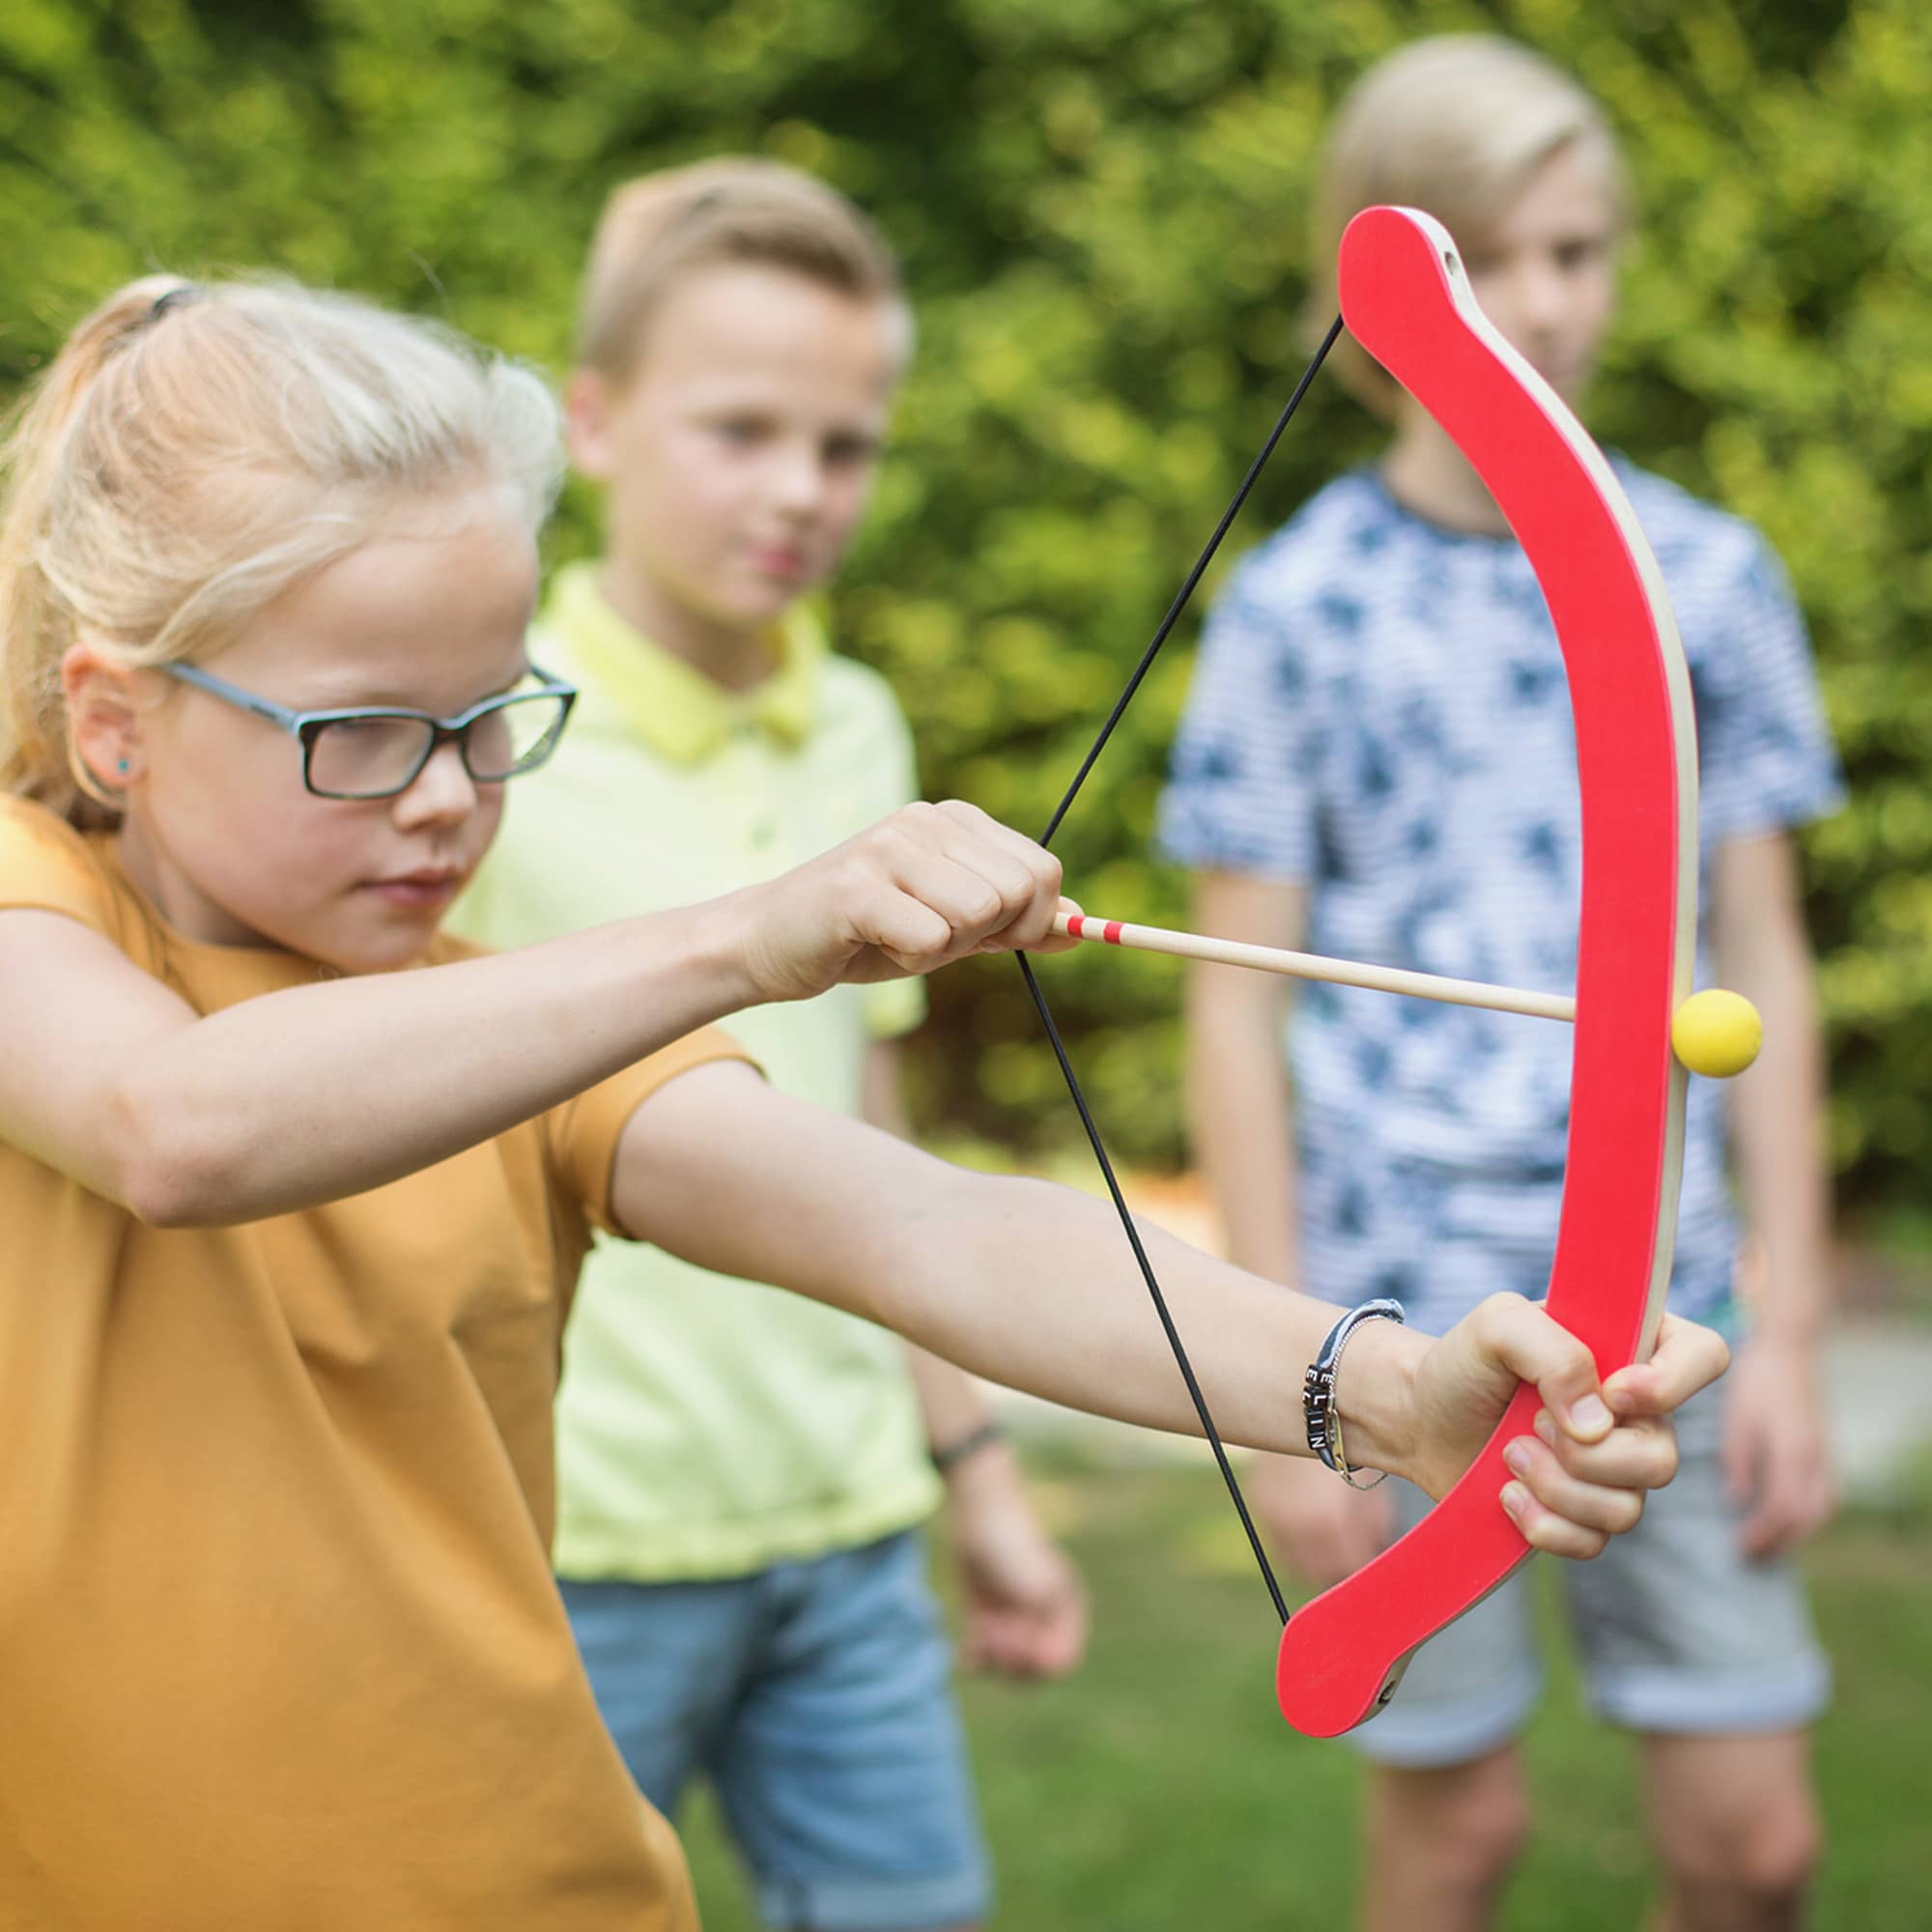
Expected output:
(1381, 715)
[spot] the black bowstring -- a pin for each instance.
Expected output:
(1194, 577)
(1114, 717)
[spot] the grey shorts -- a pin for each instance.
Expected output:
(1675, 1631)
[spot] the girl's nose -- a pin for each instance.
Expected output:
(444, 789)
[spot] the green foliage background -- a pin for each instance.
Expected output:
(1100, 203)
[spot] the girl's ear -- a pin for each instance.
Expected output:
(589, 402)
(103, 721)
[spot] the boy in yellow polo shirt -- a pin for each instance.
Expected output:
(740, 1471)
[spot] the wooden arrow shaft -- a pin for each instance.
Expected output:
(1314, 966)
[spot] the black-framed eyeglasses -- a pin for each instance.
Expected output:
(366, 752)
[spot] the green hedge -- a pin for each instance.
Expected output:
(1100, 207)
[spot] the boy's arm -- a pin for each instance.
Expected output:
(1238, 1094)
(1240, 1116)
(1026, 1609)
(1777, 1454)
(1027, 1284)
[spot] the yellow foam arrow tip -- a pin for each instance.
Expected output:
(1716, 1034)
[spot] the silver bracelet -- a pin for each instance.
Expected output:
(1319, 1412)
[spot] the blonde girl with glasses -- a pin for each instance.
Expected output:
(295, 1190)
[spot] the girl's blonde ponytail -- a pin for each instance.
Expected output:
(193, 451)
(34, 759)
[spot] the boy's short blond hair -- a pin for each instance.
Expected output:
(662, 227)
(1456, 125)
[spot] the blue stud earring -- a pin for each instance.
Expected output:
(122, 768)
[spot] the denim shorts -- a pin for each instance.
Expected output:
(816, 1698)
(1677, 1632)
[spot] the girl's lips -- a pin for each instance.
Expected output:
(418, 888)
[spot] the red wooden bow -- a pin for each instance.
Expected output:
(1406, 299)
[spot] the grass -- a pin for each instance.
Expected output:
(1158, 1788)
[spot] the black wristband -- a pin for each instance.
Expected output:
(1319, 1413)
(956, 1452)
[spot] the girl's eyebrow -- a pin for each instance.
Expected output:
(522, 676)
(392, 699)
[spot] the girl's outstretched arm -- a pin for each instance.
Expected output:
(1030, 1284)
(324, 1091)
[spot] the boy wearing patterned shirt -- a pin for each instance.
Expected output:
(740, 1473)
(1377, 762)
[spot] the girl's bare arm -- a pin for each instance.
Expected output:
(327, 1090)
(1030, 1284)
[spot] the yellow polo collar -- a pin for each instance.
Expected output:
(678, 711)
